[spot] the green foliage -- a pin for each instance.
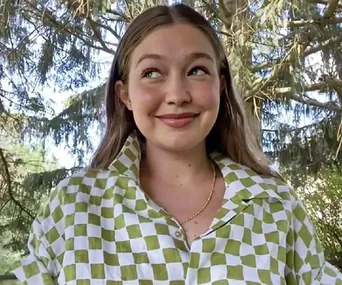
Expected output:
(26, 180)
(7, 260)
(322, 197)
(305, 150)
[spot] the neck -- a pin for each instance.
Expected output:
(176, 167)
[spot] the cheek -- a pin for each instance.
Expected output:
(144, 99)
(208, 95)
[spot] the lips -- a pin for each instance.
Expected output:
(177, 120)
(178, 116)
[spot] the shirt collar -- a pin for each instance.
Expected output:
(127, 162)
(241, 181)
(244, 182)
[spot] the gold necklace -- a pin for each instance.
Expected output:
(208, 200)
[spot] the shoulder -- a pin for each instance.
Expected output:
(76, 193)
(86, 182)
(96, 178)
(87, 177)
(282, 188)
(252, 184)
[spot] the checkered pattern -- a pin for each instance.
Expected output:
(98, 227)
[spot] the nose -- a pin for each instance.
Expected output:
(177, 92)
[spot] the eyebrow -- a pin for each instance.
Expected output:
(191, 56)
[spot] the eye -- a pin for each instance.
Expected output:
(151, 73)
(198, 70)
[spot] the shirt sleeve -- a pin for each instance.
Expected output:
(40, 265)
(306, 264)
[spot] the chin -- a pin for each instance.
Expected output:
(178, 139)
(179, 143)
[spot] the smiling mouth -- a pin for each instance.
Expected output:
(178, 116)
(178, 120)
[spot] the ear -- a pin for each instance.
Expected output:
(122, 91)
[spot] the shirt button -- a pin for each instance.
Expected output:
(178, 234)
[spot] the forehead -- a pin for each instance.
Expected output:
(174, 41)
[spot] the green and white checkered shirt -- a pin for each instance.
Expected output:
(99, 228)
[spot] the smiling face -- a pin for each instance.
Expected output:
(173, 87)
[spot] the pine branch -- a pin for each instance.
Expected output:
(259, 67)
(123, 17)
(78, 33)
(330, 9)
(4, 205)
(218, 15)
(226, 14)
(292, 129)
(21, 72)
(129, 11)
(290, 93)
(325, 2)
(55, 45)
(109, 29)
(322, 22)
(97, 33)
(9, 185)
(319, 47)
(2, 94)
(81, 7)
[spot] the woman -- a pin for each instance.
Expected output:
(178, 191)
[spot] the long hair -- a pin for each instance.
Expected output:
(231, 134)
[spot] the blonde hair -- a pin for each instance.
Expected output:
(231, 134)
